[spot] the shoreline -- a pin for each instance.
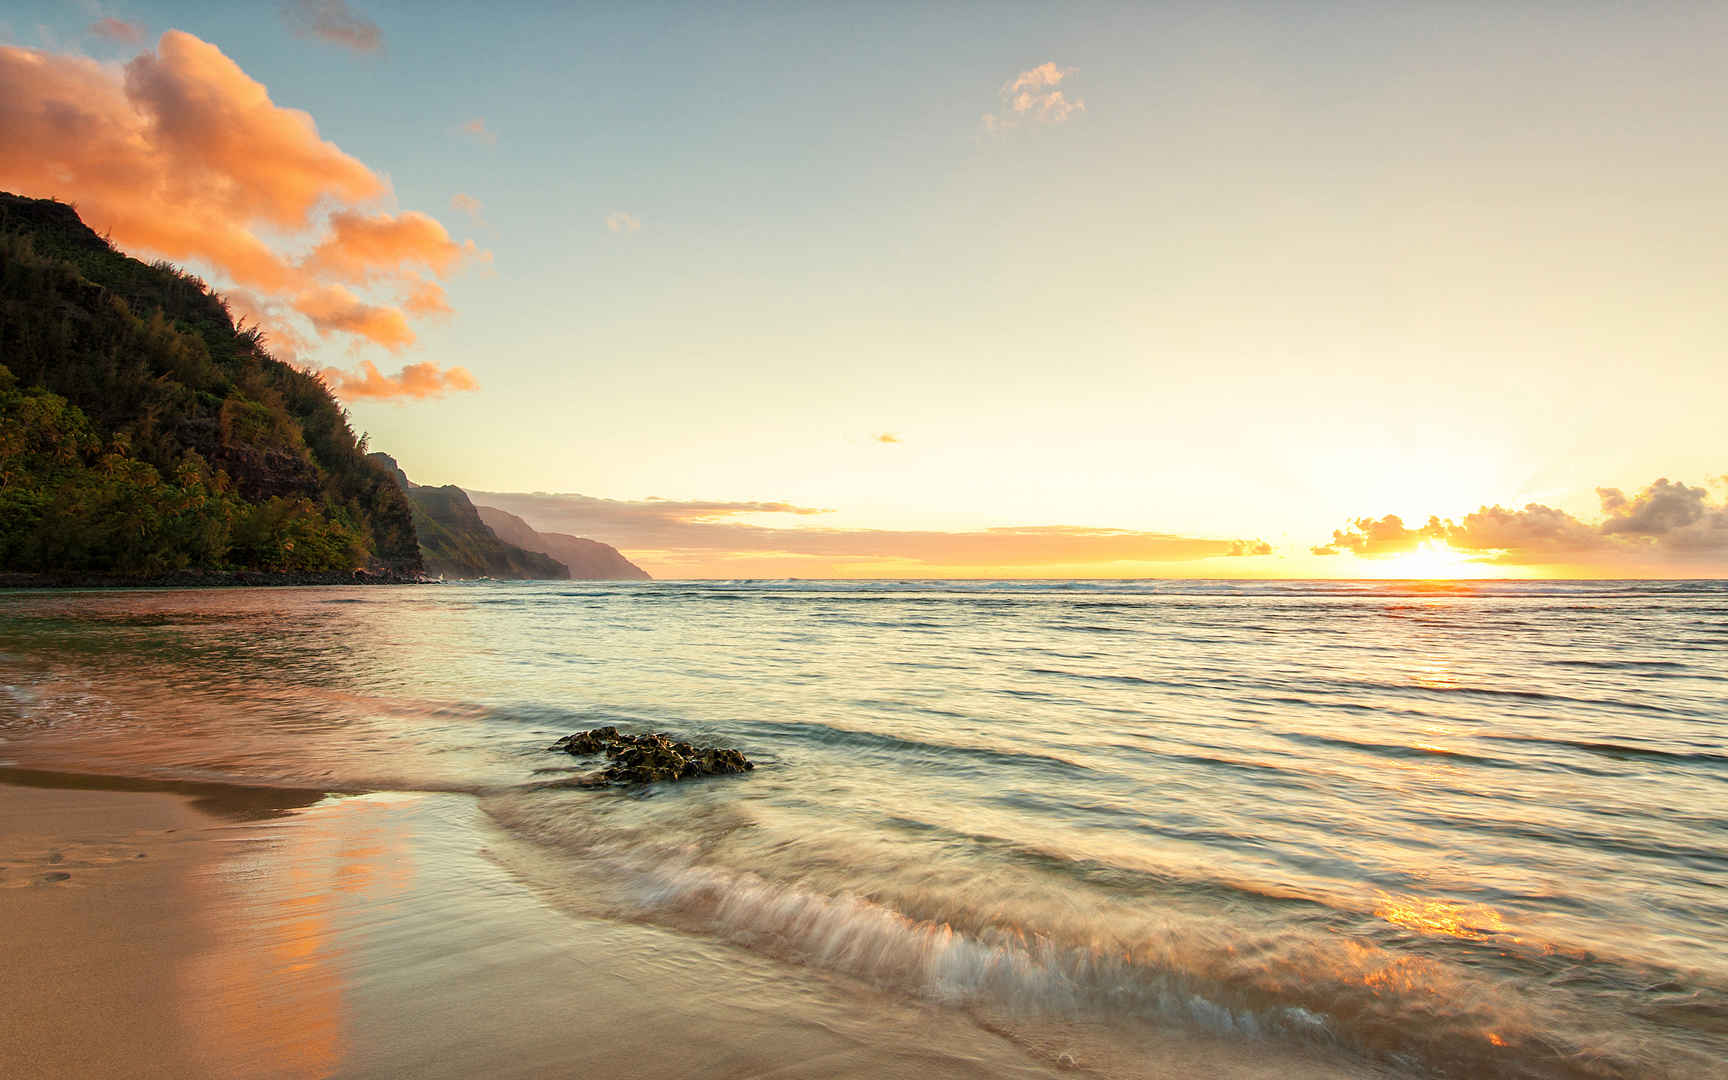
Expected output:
(195, 929)
(187, 929)
(210, 580)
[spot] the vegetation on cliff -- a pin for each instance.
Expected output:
(456, 543)
(141, 431)
(587, 560)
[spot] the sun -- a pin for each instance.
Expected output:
(1433, 559)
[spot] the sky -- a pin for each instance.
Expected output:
(959, 290)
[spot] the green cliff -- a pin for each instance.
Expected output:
(587, 560)
(141, 432)
(454, 541)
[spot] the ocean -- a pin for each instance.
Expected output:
(1412, 829)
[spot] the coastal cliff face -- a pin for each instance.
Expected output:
(143, 433)
(588, 560)
(455, 542)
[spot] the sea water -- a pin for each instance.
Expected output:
(1445, 829)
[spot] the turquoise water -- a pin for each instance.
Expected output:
(1459, 830)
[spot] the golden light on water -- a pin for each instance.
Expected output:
(1427, 915)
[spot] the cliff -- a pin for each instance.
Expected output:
(143, 433)
(587, 560)
(455, 542)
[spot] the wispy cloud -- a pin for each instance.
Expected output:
(477, 128)
(467, 204)
(179, 153)
(707, 539)
(621, 221)
(886, 437)
(334, 22)
(118, 30)
(417, 381)
(1034, 96)
(1667, 525)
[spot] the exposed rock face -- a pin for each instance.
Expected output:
(647, 759)
(588, 560)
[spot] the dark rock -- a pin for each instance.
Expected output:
(648, 759)
(588, 742)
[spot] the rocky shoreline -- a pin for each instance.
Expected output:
(194, 579)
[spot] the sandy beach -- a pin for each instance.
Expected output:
(192, 930)
(173, 929)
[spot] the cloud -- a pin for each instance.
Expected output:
(1375, 539)
(1241, 548)
(180, 154)
(619, 221)
(1033, 96)
(118, 30)
(887, 437)
(361, 247)
(704, 539)
(428, 299)
(333, 21)
(281, 337)
(467, 204)
(477, 128)
(417, 381)
(333, 309)
(1666, 526)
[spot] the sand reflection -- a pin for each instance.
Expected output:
(266, 997)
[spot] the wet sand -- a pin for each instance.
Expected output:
(202, 930)
(227, 932)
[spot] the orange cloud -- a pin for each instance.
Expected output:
(1667, 526)
(334, 309)
(361, 247)
(119, 30)
(887, 437)
(180, 154)
(622, 221)
(427, 299)
(477, 128)
(334, 22)
(414, 381)
(249, 310)
(1033, 95)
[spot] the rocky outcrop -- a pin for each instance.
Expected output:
(588, 560)
(647, 759)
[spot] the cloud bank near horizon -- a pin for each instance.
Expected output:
(179, 153)
(706, 538)
(1667, 526)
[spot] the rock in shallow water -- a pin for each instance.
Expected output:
(646, 759)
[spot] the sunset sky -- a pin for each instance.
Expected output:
(965, 290)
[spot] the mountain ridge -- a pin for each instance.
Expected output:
(587, 560)
(455, 542)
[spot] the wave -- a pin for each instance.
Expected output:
(1200, 966)
(938, 754)
(1618, 749)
